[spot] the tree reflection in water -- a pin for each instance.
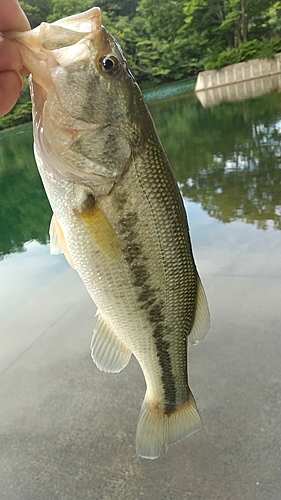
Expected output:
(227, 158)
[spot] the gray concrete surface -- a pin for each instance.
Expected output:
(68, 430)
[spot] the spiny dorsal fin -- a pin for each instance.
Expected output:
(99, 227)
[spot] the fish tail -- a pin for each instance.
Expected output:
(157, 429)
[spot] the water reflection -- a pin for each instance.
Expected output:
(24, 209)
(227, 158)
(240, 91)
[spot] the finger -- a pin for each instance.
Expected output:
(24, 71)
(10, 55)
(12, 16)
(10, 87)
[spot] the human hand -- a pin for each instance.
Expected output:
(11, 18)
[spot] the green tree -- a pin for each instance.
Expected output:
(164, 52)
(36, 10)
(63, 8)
(274, 21)
(228, 24)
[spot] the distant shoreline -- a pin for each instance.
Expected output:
(15, 127)
(157, 93)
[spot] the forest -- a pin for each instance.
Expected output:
(168, 40)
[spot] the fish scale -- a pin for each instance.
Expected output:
(179, 308)
(118, 216)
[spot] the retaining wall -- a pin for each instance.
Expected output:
(239, 72)
(239, 81)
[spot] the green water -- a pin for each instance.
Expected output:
(226, 158)
(24, 209)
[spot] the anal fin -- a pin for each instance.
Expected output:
(108, 352)
(201, 323)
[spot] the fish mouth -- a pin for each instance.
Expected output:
(53, 53)
(85, 22)
(36, 45)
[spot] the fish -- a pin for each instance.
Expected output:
(118, 216)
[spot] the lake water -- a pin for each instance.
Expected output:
(68, 430)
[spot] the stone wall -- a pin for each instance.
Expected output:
(239, 81)
(239, 91)
(239, 72)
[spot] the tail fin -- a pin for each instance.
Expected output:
(156, 429)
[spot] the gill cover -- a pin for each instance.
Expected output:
(80, 109)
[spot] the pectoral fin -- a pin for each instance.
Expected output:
(57, 241)
(100, 229)
(108, 352)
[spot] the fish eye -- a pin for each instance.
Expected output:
(110, 65)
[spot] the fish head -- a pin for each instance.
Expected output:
(83, 98)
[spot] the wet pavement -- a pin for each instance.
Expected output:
(68, 430)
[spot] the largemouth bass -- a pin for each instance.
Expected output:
(118, 216)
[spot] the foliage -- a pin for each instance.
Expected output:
(63, 8)
(255, 49)
(167, 40)
(36, 10)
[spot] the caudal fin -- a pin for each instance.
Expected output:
(157, 429)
